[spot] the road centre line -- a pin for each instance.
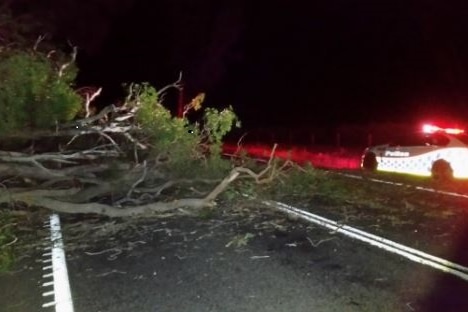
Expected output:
(420, 188)
(377, 241)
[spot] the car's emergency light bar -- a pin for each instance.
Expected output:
(431, 129)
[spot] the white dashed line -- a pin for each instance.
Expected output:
(420, 188)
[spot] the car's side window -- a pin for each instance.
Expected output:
(419, 139)
(414, 139)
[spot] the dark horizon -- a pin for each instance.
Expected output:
(294, 64)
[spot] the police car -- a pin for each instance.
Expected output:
(438, 152)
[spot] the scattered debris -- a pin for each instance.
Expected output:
(111, 272)
(259, 257)
(240, 240)
(316, 244)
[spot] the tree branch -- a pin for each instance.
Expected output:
(41, 198)
(177, 85)
(66, 65)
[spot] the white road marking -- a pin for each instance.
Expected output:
(377, 241)
(420, 188)
(61, 286)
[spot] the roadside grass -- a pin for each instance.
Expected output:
(7, 240)
(20, 233)
(364, 200)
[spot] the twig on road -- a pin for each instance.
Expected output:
(113, 256)
(259, 257)
(111, 272)
(316, 244)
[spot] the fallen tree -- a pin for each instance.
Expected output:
(132, 159)
(57, 151)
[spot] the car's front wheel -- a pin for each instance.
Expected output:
(441, 170)
(369, 162)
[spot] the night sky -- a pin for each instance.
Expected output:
(292, 63)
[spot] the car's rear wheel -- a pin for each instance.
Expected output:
(441, 170)
(369, 162)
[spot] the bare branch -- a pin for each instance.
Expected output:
(42, 198)
(105, 135)
(134, 141)
(89, 99)
(62, 158)
(66, 65)
(160, 188)
(11, 243)
(38, 41)
(140, 180)
(91, 119)
(177, 85)
(222, 186)
(51, 52)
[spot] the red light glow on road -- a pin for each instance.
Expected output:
(332, 159)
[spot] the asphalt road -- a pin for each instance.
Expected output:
(245, 264)
(234, 261)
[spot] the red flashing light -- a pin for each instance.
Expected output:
(454, 131)
(431, 129)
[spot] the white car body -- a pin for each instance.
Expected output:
(435, 145)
